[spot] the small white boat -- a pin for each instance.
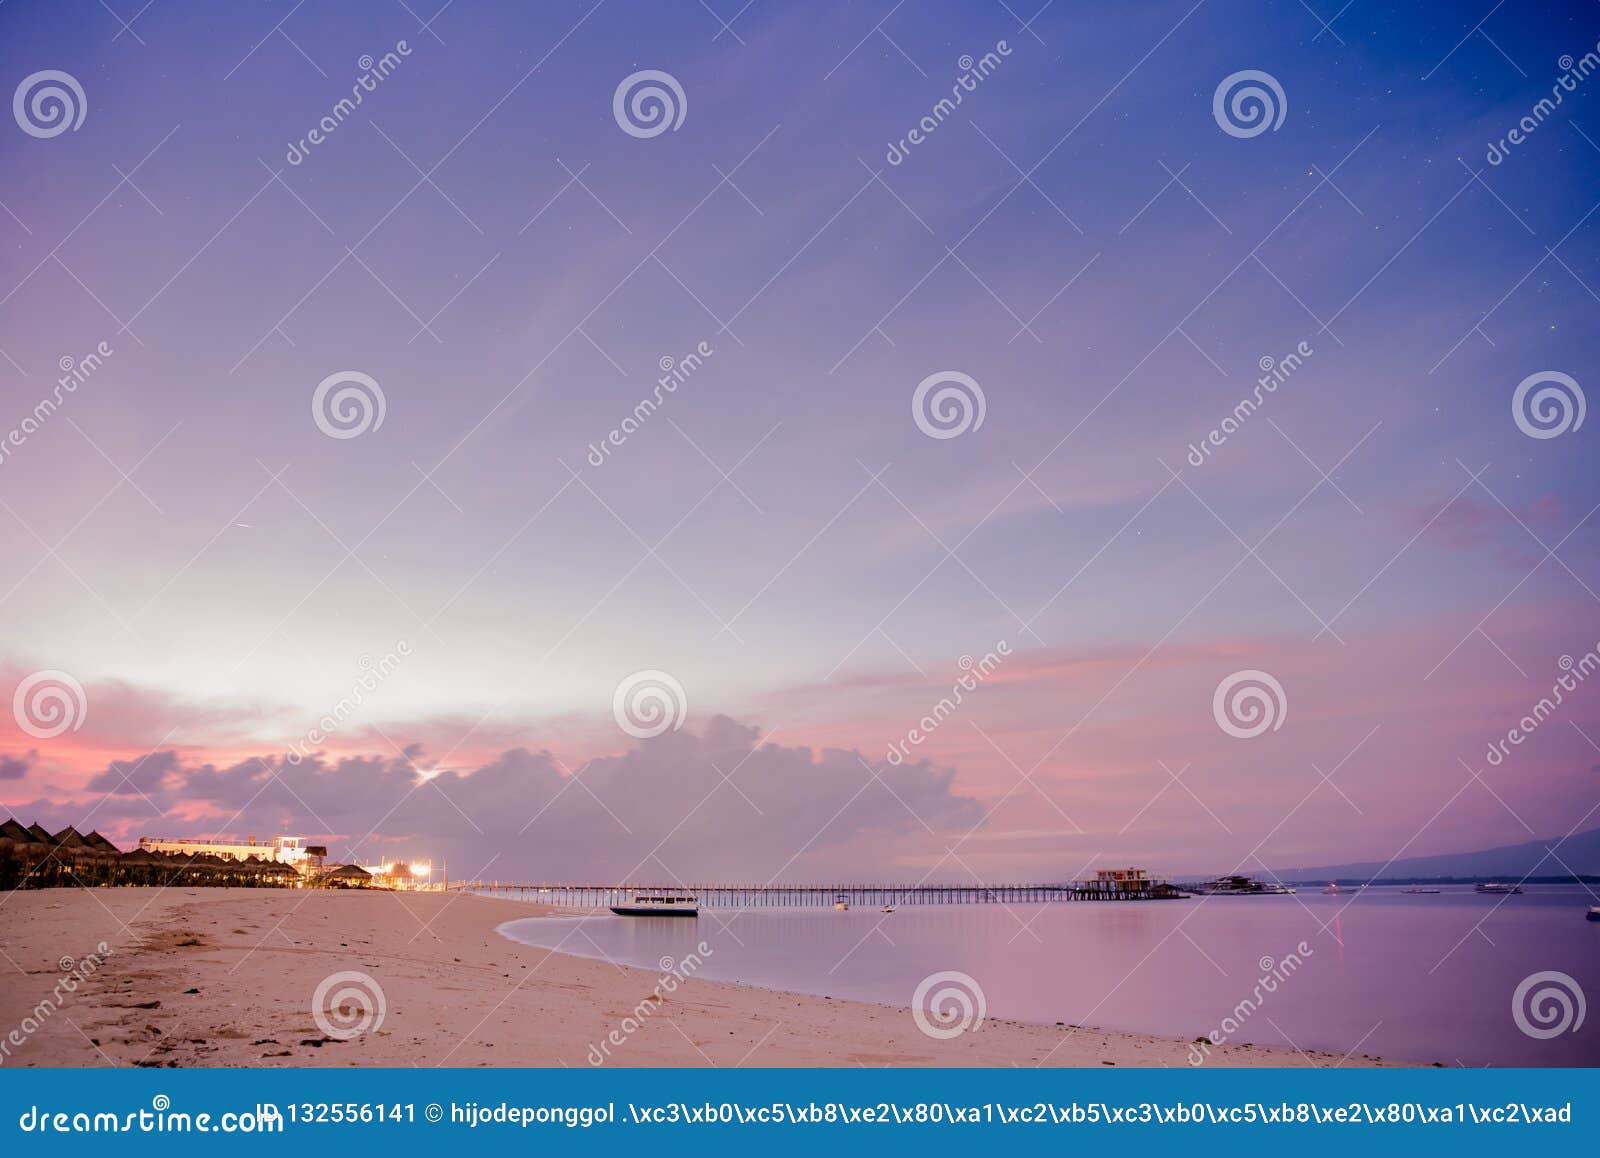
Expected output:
(1333, 890)
(1427, 891)
(1594, 913)
(890, 909)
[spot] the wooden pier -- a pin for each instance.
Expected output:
(732, 896)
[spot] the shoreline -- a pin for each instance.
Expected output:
(227, 977)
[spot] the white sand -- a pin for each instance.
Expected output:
(456, 993)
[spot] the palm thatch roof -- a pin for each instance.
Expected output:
(95, 840)
(11, 829)
(348, 872)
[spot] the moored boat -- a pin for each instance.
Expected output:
(1243, 886)
(646, 905)
(1594, 913)
(1496, 888)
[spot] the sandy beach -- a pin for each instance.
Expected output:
(226, 977)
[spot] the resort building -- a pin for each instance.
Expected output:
(290, 850)
(400, 874)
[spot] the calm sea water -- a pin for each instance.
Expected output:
(1395, 975)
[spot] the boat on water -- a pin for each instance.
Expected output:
(1594, 913)
(1242, 886)
(1496, 888)
(841, 902)
(659, 906)
(890, 909)
(1419, 890)
(1333, 890)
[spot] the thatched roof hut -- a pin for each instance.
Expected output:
(347, 876)
(96, 841)
(11, 830)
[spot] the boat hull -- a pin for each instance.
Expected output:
(642, 911)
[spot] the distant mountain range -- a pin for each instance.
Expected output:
(1579, 854)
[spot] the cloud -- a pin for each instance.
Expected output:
(16, 767)
(679, 807)
(129, 777)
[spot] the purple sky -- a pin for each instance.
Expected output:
(1081, 237)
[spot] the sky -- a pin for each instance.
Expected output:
(817, 477)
